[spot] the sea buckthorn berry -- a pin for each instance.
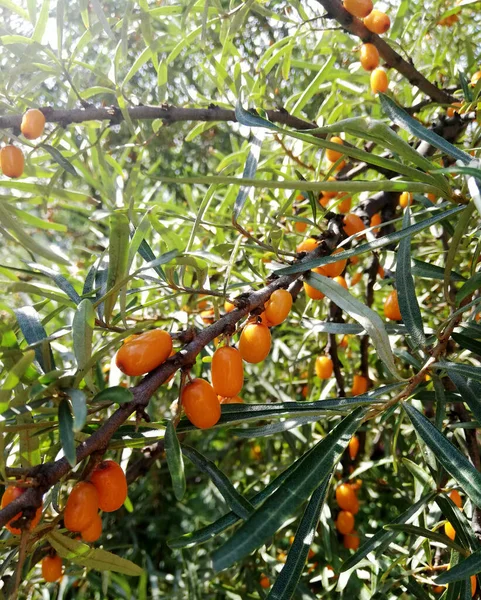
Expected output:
(369, 57)
(405, 199)
(265, 582)
(93, 531)
(353, 224)
(255, 342)
(475, 78)
(377, 22)
(207, 316)
(200, 403)
(344, 206)
(449, 530)
(354, 260)
(202, 304)
(359, 385)
(358, 8)
(278, 306)
(456, 498)
(438, 589)
(345, 522)
(339, 166)
(227, 371)
(333, 269)
(454, 108)
(323, 200)
(334, 155)
(391, 307)
(379, 81)
(12, 161)
(82, 507)
(448, 21)
(375, 220)
(431, 197)
(307, 245)
(300, 226)
(331, 193)
(380, 271)
(228, 306)
(142, 353)
(233, 400)
(341, 281)
(351, 541)
(33, 123)
(347, 499)
(473, 585)
(353, 447)
(344, 343)
(12, 493)
(110, 482)
(311, 291)
(356, 278)
(324, 367)
(51, 568)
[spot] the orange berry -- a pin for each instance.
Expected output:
(228, 306)
(312, 292)
(202, 304)
(207, 316)
(344, 343)
(353, 224)
(51, 568)
(456, 498)
(405, 199)
(354, 260)
(380, 271)
(82, 507)
(377, 22)
(341, 281)
(233, 400)
(10, 494)
(353, 447)
(12, 161)
(305, 391)
(375, 220)
(347, 499)
(379, 81)
(200, 403)
(278, 306)
(255, 342)
(431, 197)
(307, 245)
(324, 367)
(330, 194)
(356, 278)
(340, 165)
(344, 206)
(359, 385)
(369, 57)
(473, 585)
(345, 522)
(449, 530)
(475, 78)
(454, 108)
(323, 200)
(358, 8)
(351, 541)
(33, 123)
(300, 226)
(110, 482)
(438, 589)
(143, 353)
(265, 582)
(333, 269)
(448, 21)
(391, 307)
(334, 155)
(93, 531)
(227, 372)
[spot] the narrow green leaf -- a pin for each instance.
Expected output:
(79, 406)
(41, 23)
(465, 370)
(115, 394)
(465, 535)
(470, 390)
(175, 461)
(82, 332)
(428, 271)
(60, 159)
(250, 169)
(408, 302)
(65, 423)
(464, 222)
(455, 463)
(59, 280)
(472, 285)
(467, 342)
(466, 568)
(426, 533)
(265, 521)
(118, 258)
(102, 18)
(33, 331)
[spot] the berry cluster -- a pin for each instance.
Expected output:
(12, 161)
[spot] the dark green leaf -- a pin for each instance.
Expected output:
(175, 461)
(426, 533)
(118, 257)
(60, 159)
(250, 169)
(79, 405)
(467, 342)
(65, 423)
(469, 566)
(82, 331)
(472, 285)
(470, 390)
(428, 271)
(116, 394)
(467, 371)
(33, 331)
(60, 280)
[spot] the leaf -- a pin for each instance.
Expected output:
(314, 468)
(174, 461)
(469, 566)
(60, 159)
(428, 271)
(459, 233)
(252, 119)
(33, 331)
(472, 285)
(41, 23)
(92, 558)
(82, 332)
(118, 257)
(364, 315)
(65, 423)
(470, 390)
(408, 302)
(426, 533)
(465, 370)
(467, 342)
(286, 583)
(250, 169)
(103, 20)
(115, 394)
(236, 502)
(455, 463)
(79, 405)
(60, 281)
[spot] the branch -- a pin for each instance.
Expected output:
(351, 24)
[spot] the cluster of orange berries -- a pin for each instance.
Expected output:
(346, 498)
(106, 490)
(11, 158)
(377, 22)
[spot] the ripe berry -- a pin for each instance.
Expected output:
(33, 123)
(323, 200)
(347, 499)
(255, 342)
(351, 541)
(358, 8)
(312, 292)
(51, 568)
(227, 371)
(12, 493)
(456, 498)
(143, 353)
(200, 403)
(448, 21)
(473, 585)
(278, 306)
(359, 385)
(377, 22)
(431, 197)
(449, 530)
(334, 155)
(233, 400)
(344, 206)
(379, 81)
(324, 367)
(475, 78)
(454, 108)
(93, 531)
(405, 199)
(332, 193)
(341, 281)
(300, 226)
(375, 220)
(228, 306)
(12, 161)
(353, 447)
(380, 271)
(391, 307)
(353, 224)
(356, 278)
(111, 485)
(333, 269)
(369, 57)
(345, 522)
(82, 507)
(307, 245)
(265, 582)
